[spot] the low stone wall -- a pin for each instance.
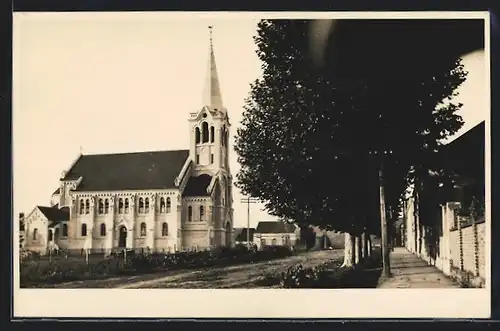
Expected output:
(460, 250)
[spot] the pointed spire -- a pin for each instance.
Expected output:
(212, 93)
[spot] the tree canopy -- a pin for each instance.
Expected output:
(311, 142)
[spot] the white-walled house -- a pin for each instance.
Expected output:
(158, 200)
(276, 233)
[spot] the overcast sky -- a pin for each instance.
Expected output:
(123, 82)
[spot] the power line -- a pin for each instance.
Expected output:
(248, 201)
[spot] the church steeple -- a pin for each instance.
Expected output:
(212, 94)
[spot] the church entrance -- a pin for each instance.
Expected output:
(122, 237)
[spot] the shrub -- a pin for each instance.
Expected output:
(320, 276)
(331, 274)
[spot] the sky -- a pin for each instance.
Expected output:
(124, 82)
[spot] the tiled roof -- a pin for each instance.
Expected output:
(242, 236)
(55, 215)
(197, 186)
(274, 227)
(128, 171)
(465, 154)
(236, 232)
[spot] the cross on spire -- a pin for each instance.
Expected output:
(210, 27)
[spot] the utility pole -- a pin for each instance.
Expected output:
(383, 225)
(248, 201)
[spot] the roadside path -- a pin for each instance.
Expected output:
(410, 271)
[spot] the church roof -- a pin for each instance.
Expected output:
(274, 227)
(128, 171)
(197, 186)
(54, 214)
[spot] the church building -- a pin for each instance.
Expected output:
(158, 200)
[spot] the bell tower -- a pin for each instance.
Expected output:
(209, 151)
(209, 127)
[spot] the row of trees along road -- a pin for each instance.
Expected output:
(316, 142)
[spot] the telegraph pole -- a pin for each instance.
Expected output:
(248, 201)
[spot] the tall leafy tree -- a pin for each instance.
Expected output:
(311, 142)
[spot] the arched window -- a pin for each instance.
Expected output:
(202, 213)
(51, 236)
(35, 234)
(162, 205)
(197, 135)
(147, 205)
(169, 205)
(226, 138)
(65, 230)
(120, 206)
(274, 242)
(101, 207)
(143, 229)
(87, 206)
(84, 230)
(204, 132)
(212, 134)
(82, 207)
(103, 230)
(126, 205)
(164, 229)
(106, 206)
(141, 205)
(223, 135)
(190, 214)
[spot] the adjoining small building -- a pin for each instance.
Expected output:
(276, 233)
(46, 225)
(241, 236)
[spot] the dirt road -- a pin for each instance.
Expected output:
(238, 276)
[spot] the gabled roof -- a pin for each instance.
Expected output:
(54, 214)
(128, 171)
(465, 154)
(197, 186)
(242, 236)
(57, 191)
(275, 227)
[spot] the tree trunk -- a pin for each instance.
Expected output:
(369, 245)
(364, 245)
(357, 249)
(348, 250)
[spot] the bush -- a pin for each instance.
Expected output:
(321, 276)
(35, 272)
(331, 274)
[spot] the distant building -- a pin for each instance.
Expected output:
(22, 230)
(241, 236)
(276, 233)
